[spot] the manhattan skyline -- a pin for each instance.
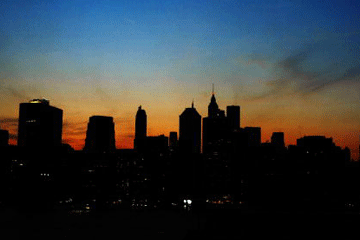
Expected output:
(291, 67)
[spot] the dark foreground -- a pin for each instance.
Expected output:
(214, 224)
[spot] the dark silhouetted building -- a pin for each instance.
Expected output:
(173, 141)
(39, 124)
(253, 136)
(140, 129)
(213, 108)
(100, 135)
(190, 130)
(233, 115)
(4, 138)
(321, 171)
(157, 144)
(215, 128)
(277, 139)
(216, 154)
(315, 143)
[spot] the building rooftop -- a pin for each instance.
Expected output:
(42, 101)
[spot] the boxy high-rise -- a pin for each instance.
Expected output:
(40, 125)
(100, 135)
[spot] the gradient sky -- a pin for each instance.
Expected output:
(292, 66)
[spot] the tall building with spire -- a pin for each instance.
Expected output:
(218, 148)
(40, 125)
(140, 129)
(190, 130)
(215, 127)
(213, 108)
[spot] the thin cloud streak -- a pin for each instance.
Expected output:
(17, 94)
(294, 74)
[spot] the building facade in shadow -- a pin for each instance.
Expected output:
(39, 124)
(4, 138)
(215, 128)
(190, 130)
(140, 129)
(100, 135)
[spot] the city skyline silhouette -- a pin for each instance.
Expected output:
(179, 119)
(234, 174)
(354, 151)
(292, 67)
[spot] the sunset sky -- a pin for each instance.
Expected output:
(292, 66)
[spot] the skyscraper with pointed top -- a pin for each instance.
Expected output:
(213, 108)
(215, 127)
(190, 130)
(140, 129)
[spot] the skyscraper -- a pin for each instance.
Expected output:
(215, 128)
(233, 115)
(100, 135)
(217, 150)
(213, 108)
(140, 129)
(40, 125)
(190, 130)
(253, 136)
(277, 139)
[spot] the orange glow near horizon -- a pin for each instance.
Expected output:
(294, 69)
(127, 141)
(295, 120)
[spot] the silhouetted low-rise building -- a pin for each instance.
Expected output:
(315, 143)
(4, 138)
(157, 144)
